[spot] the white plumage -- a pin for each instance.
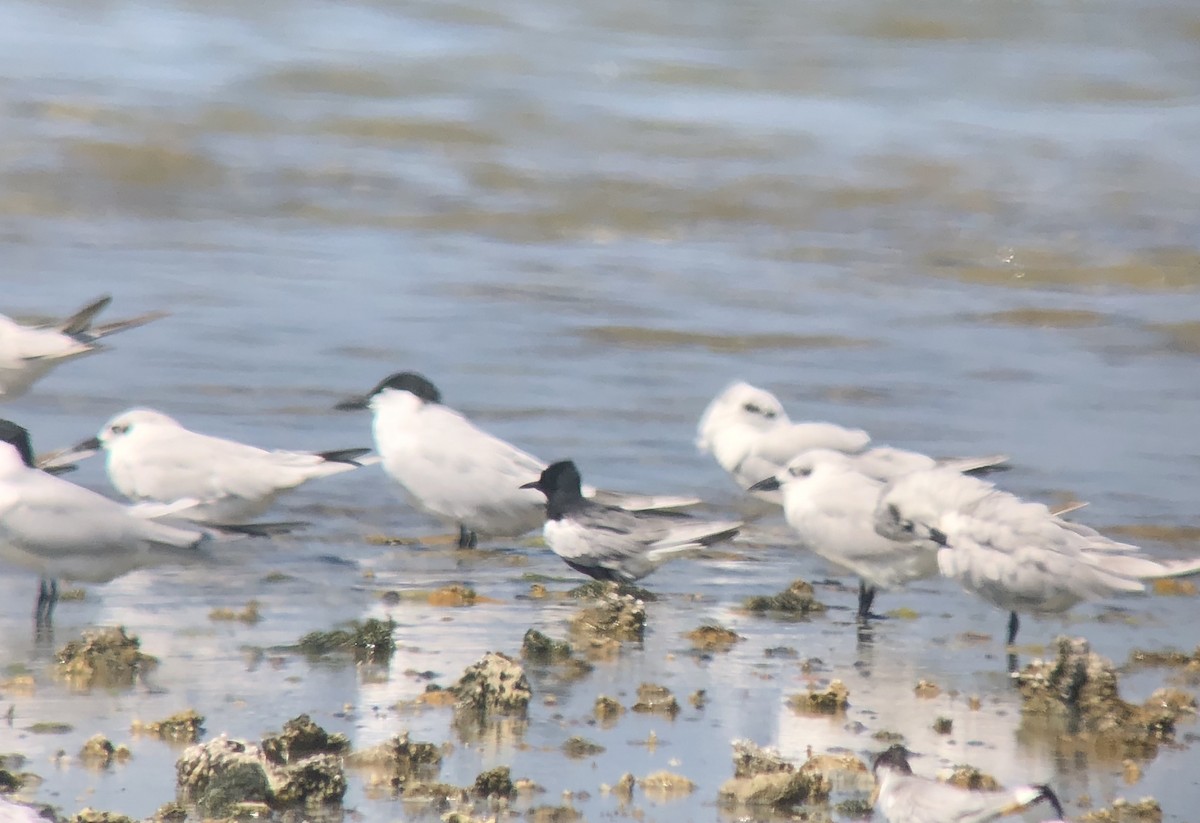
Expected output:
(151, 457)
(1015, 554)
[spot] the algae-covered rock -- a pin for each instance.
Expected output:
(1074, 697)
(943, 725)
(302, 738)
(797, 600)
(538, 648)
(495, 782)
(183, 727)
(713, 638)
(833, 699)
(761, 778)
(600, 589)
(98, 752)
(315, 779)
(221, 773)
(1145, 810)
(578, 748)
(655, 699)
(969, 777)
(613, 616)
(10, 781)
(494, 685)
(107, 658)
(401, 759)
(369, 641)
(607, 710)
(553, 814)
(170, 812)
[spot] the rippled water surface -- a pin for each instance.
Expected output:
(968, 228)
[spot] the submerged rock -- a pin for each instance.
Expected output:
(761, 778)
(655, 699)
(401, 760)
(553, 814)
(578, 748)
(607, 710)
(600, 589)
(540, 650)
(833, 699)
(183, 727)
(1074, 697)
(370, 641)
(98, 752)
(713, 638)
(496, 684)
(92, 816)
(108, 658)
(664, 785)
(797, 600)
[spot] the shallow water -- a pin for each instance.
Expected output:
(966, 228)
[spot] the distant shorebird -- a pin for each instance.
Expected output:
(28, 353)
(611, 543)
(456, 471)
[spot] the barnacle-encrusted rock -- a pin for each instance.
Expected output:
(833, 699)
(1145, 810)
(495, 782)
(301, 738)
(183, 727)
(400, 759)
(655, 699)
(540, 650)
(607, 709)
(797, 600)
(494, 685)
(969, 777)
(93, 816)
(108, 658)
(1075, 697)
(764, 779)
(578, 747)
(301, 765)
(613, 616)
(713, 638)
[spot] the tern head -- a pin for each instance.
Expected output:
(561, 478)
(895, 758)
(123, 425)
(912, 507)
(17, 437)
(816, 462)
(415, 384)
(739, 404)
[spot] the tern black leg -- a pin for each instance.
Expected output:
(47, 598)
(1014, 624)
(866, 596)
(467, 539)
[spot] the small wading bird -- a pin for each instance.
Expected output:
(751, 436)
(57, 529)
(903, 797)
(611, 543)
(1016, 555)
(831, 506)
(150, 457)
(459, 473)
(27, 353)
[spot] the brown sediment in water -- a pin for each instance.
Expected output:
(638, 337)
(105, 658)
(249, 614)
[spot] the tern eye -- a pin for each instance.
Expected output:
(120, 428)
(800, 471)
(754, 408)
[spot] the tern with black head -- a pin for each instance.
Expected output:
(610, 543)
(903, 797)
(151, 457)
(457, 472)
(1016, 555)
(28, 353)
(752, 438)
